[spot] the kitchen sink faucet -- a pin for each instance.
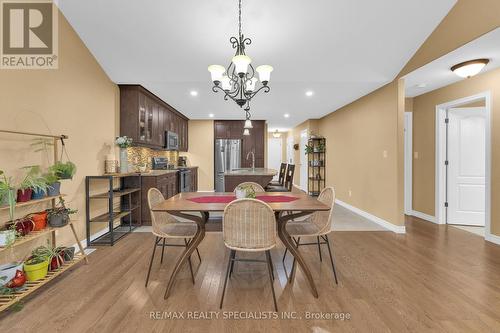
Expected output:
(253, 159)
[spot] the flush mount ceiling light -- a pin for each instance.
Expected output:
(276, 134)
(469, 68)
(238, 82)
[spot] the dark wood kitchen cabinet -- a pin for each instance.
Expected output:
(168, 186)
(233, 129)
(144, 117)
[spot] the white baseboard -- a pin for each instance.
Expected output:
(399, 229)
(83, 242)
(493, 238)
(424, 216)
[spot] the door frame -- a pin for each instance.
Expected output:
(440, 172)
(408, 180)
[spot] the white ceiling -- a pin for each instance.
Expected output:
(437, 73)
(340, 49)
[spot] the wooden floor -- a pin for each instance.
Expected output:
(433, 279)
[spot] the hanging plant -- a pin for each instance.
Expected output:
(63, 170)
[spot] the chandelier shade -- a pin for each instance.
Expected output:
(216, 71)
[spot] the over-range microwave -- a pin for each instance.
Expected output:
(171, 141)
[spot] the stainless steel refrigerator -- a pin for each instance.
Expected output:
(227, 157)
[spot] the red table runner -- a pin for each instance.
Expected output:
(229, 198)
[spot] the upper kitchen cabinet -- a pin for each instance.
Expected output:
(144, 117)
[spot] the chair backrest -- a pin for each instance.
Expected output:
(249, 225)
(290, 171)
(256, 187)
(158, 219)
(323, 220)
(281, 177)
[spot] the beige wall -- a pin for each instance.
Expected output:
(201, 152)
(424, 137)
(79, 100)
(357, 136)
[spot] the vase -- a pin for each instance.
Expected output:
(123, 160)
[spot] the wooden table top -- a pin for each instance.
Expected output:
(180, 202)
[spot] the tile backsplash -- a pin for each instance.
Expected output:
(142, 155)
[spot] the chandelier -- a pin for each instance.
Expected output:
(238, 82)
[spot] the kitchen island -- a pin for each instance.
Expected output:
(261, 176)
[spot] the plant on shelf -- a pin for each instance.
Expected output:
(63, 170)
(59, 216)
(7, 193)
(54, 254)
(36, 266)
(54, 185)
(321, 147)
(309, 149)
(123, 142)
(33, 185)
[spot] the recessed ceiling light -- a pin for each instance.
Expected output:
(421, 85)
(286, 115)
(211, 115)
(469, 68)
(193, 93)
(309, 93)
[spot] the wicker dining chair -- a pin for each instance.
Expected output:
(318, 225)
(166, 226)
(249, 225)
(256, 187)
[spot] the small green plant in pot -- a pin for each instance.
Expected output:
(59, 216)
(36, 267)
(63, 170)
(33, 186)
(55, 255)
(54, 185)
(309, 149)
(7, 193)
(245, 191)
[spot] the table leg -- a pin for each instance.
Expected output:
(193, 244)
(294, 250)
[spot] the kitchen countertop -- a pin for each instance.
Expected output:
(155, 173)
(251, 172)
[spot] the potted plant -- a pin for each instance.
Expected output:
(63, 170)
(7, 237)
(309, 149)
(40, 220)
(8, 271)
(54, 255)
(36, 267)
(7, 193)
(22, 226)
(245, 191)
(53, 183)
(32, 182)
(59, 216)
(123, 142)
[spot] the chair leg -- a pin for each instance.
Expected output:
(319, 249)
(189, 260)
(271, 277)
(198, 253)
(331, 258)
(162, 250)
(231, 255)
(284, 255)
(272, 266)
(294, 263)
(151, 261)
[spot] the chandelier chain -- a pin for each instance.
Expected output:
(239, 17)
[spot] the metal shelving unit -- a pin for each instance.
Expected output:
(316, 161)
(129, 193)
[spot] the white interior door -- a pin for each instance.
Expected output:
(466, 185)
(303, 160)
(408, 162)
(274, 152)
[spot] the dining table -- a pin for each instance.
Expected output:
(196, 207)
